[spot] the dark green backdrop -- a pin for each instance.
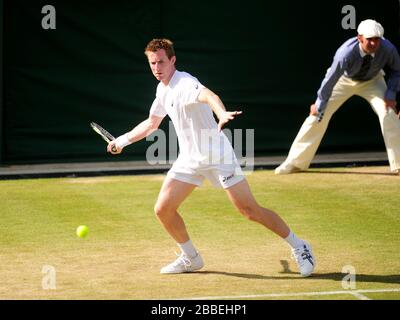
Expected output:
(268, 58)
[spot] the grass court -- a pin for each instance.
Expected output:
(350, 216)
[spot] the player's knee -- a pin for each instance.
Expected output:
(161, 210)
(158, 209)
(389, 121)
(248, 212)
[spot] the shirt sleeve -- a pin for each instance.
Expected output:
(325, 91)
(393, 82)
(157, 109)
(190, 91)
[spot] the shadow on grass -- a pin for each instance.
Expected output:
(290, 275)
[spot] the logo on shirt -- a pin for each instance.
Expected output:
(224, 179)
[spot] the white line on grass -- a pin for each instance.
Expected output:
(356, 293)
(359, 296)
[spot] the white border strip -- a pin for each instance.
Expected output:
(356, 293)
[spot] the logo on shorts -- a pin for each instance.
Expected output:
(224, 179)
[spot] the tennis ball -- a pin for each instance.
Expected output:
(82, 231)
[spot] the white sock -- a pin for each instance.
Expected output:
(293, 241)
(188, 248)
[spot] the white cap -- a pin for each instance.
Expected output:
(370, 29)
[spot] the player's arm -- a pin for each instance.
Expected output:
(208, 97)
(142, 130)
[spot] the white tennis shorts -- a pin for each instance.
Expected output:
(220, 175)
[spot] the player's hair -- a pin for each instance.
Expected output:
(157, 44)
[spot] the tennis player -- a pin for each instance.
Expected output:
(190, 105)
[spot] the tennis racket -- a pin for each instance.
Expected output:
(108, 137)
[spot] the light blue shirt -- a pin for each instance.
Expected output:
(348, 60)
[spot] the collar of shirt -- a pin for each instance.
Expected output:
(362, 53)
(171, 81)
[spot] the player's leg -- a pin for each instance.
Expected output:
(243, 199)
(172, 194)
(308, 139)
(373, 91)
(241, 196)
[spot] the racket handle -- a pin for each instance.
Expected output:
(114, 149)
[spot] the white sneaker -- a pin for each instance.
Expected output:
(183, 264)
(286, 168)
(304, 259)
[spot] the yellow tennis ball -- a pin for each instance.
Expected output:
(82, 231)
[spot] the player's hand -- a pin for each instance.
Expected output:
(225, 117)
(113, 148)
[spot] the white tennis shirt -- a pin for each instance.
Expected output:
(200, 143)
